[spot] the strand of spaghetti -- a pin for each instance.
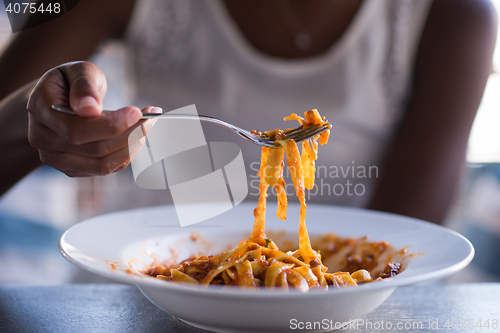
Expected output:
(295, 167)
(191, 270)
(245, 274)
(273, 172)
(226, 278)
(294, 116)
(219, 269)
(271, 253)
(316, 269)
(305, 271)
(308, 160)
(274, 177)
(225, 266)
(281, 281)
(181, 277)
(288, 259)
(259, 267)
(247, 256)
(282, 202)
(264, 242)
(313, 117)
(230, 273)
(239, 251)
(273, 271)
(297, 280)
(252, 255)
(260, 212)
(340, 279)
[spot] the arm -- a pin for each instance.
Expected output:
(75, 35)
(17, 156)
(424, 163)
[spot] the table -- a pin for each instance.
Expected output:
(122, 308)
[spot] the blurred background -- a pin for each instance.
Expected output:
(35, 213)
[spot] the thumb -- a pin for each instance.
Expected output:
(87, 87)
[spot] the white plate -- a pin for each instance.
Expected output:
(114, 245)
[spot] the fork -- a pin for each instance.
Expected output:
(299, 134)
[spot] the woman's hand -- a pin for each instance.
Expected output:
(90, 144)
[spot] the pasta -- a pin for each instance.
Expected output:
(257, 261)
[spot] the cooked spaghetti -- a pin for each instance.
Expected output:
(257, 261)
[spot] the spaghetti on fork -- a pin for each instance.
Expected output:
(257, 261)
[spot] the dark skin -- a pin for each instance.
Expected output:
(77, 146)
(422, 164)
(256, 19)
(428, 152)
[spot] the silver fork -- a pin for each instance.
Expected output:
(299, 134)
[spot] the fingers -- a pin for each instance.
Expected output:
(79, 130)
(78, 165)
(44, 138)
(152, 109)
(82, 166)
(81, 85)
(87, 87)
(84, 84)
(90, 159)
(53, 89)
(90, 143)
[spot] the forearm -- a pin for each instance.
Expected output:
(421, 182)
(427, 155)
(17, 156)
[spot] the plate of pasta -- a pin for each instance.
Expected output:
(222, 275)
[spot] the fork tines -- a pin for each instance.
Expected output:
(300, 134)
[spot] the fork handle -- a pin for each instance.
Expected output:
(67, 110)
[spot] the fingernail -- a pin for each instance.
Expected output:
(87, 101)
(133, 117)
(152, 121)
(121, 168)
(156, 109)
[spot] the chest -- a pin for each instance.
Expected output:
(292, 28)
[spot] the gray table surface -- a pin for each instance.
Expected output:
(122, 308)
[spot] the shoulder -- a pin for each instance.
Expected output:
(112, 15)
(458, 33)
(462, 16)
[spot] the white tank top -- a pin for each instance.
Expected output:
(191, 52)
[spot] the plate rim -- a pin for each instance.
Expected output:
(262, 293)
